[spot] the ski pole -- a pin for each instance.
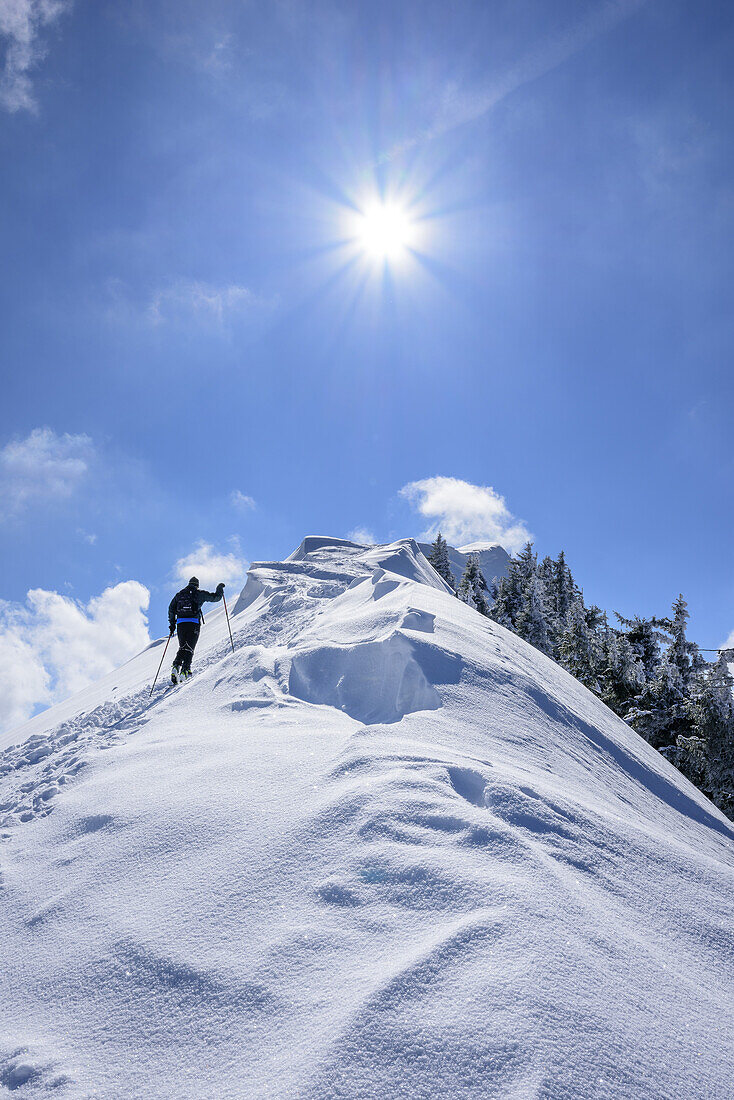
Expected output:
(160, 666)
(227, 614)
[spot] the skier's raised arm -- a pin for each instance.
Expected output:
(211, 597)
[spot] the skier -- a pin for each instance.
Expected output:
(184, 616)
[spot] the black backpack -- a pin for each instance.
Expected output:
(187, 606)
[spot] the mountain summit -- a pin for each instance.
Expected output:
(384, 849)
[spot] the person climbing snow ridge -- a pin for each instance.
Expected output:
(184, 616)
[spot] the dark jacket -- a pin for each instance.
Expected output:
(198, 596)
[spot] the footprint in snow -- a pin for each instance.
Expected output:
(469, 784)
(337, 893)
(25, 1066)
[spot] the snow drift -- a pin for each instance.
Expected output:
(385, 849)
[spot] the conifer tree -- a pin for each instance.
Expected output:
(559, 589)
(532, 620)
(566, 590)
(579, 650)
(553, 622)
(680, 649)
(439, 559)
(511, 589)
(507, 599)
(527, 563)
(712, 713)
(644, 636)
(473, 587)
(688, 755)
(621, 675)
(661, 712)
(545, 572)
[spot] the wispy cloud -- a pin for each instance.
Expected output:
(465, 513)
(53, 646)
(241, 501)
(187, 299)
(22, 23)
(362, 535)
(461, 105)
(211, 566)
(44, 466)
(214, 56)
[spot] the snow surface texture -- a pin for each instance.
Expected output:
(385, 849)
(493, 559)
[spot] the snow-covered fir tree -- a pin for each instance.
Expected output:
(660, 712)
(622, 675)
(473, 587)
(560, 591)
(507, 599)
(579, 649)
(644, 637)
(439, 559)
(680, 649)
(712, 712)
(689, 755)
(532, 620)
(510, 597)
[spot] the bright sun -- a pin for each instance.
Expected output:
(385, 231)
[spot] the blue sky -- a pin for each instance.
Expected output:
(195, 352)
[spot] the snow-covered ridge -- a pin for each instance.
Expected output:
(385, 848)
(477, 547)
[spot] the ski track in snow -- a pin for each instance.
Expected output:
(385, 849)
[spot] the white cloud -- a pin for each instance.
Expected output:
(27, 684)
(241, 501)
(189, 299)
(53, 646)
(22, 23)
(43, 466)
(210, 566)
(729, 643)
(362, 535)
(465, 513)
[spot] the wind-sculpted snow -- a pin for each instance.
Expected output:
(385, 849)
(372, 682)
(378, 680)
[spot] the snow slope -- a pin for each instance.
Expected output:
(385, 849)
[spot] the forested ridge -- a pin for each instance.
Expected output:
(645, 669)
